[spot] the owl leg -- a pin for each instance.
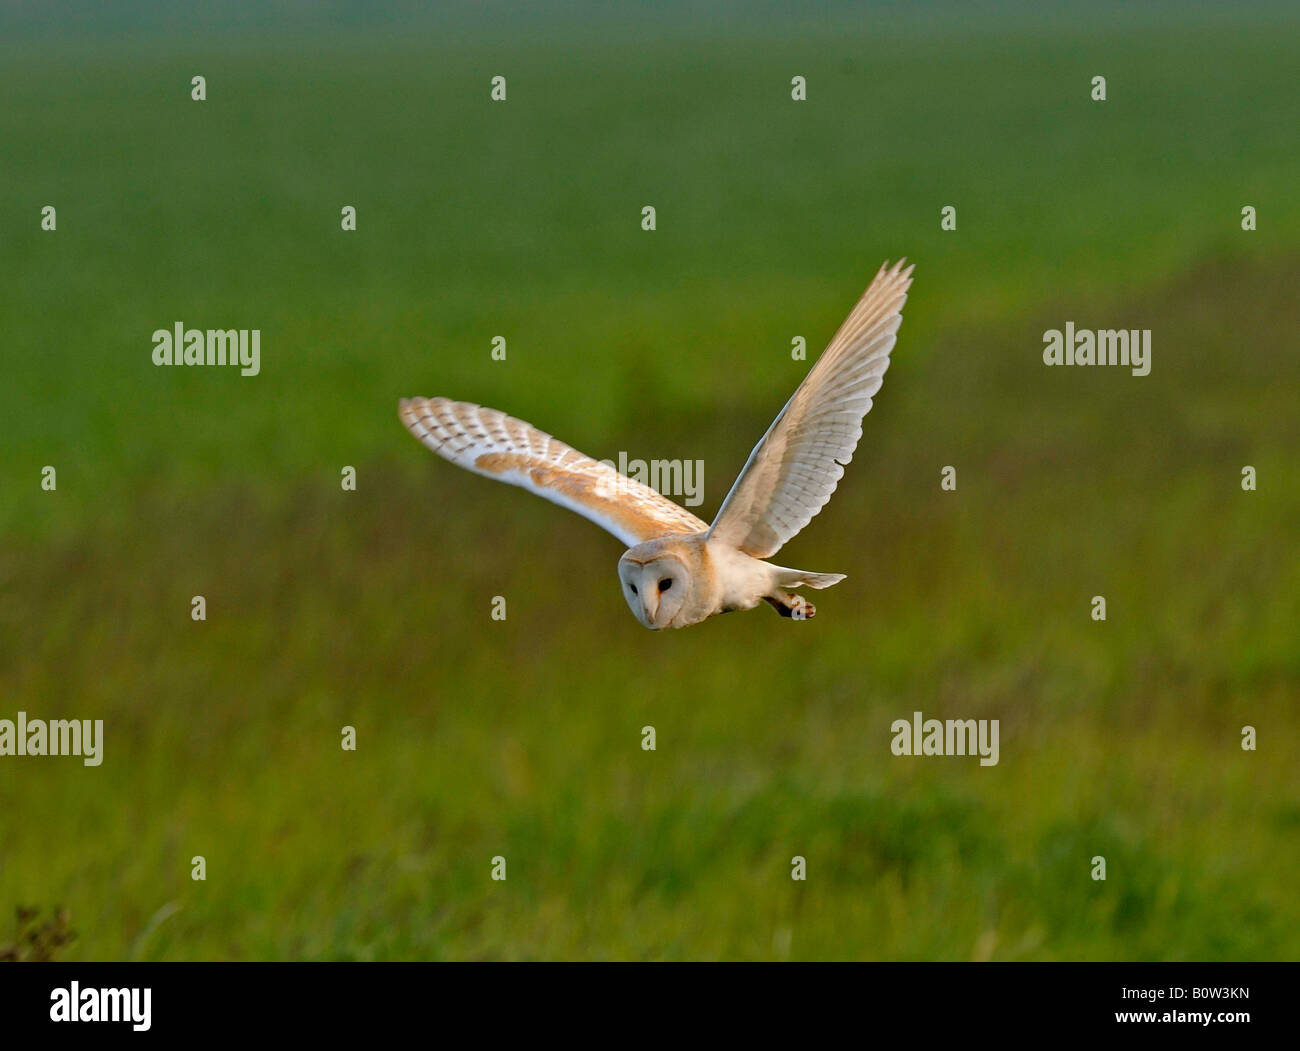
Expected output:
(796, 607)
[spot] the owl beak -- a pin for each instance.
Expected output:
(650, 604)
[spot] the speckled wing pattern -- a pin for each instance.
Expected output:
(795, 468)
(498, 446)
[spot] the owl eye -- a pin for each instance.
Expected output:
(666, 583)
(633, 587)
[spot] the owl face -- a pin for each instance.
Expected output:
(656, 586)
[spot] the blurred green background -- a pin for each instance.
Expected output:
(522, 738)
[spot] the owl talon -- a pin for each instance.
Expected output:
(795, 607)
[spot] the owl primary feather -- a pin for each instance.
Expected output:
(678, 570)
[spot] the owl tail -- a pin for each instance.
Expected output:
(793, 578)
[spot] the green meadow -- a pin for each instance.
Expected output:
(521, 738)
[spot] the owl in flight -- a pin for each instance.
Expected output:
(678, 570)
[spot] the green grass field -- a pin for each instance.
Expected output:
(521, 738)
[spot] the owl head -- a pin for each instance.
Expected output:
(658, 578)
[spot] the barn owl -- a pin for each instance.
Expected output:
(677, 570)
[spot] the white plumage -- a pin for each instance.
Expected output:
(677, 570)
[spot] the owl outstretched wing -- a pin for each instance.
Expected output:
(498, 446)
(794, 469)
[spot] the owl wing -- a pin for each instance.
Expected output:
(794, 469)
(498, 446)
